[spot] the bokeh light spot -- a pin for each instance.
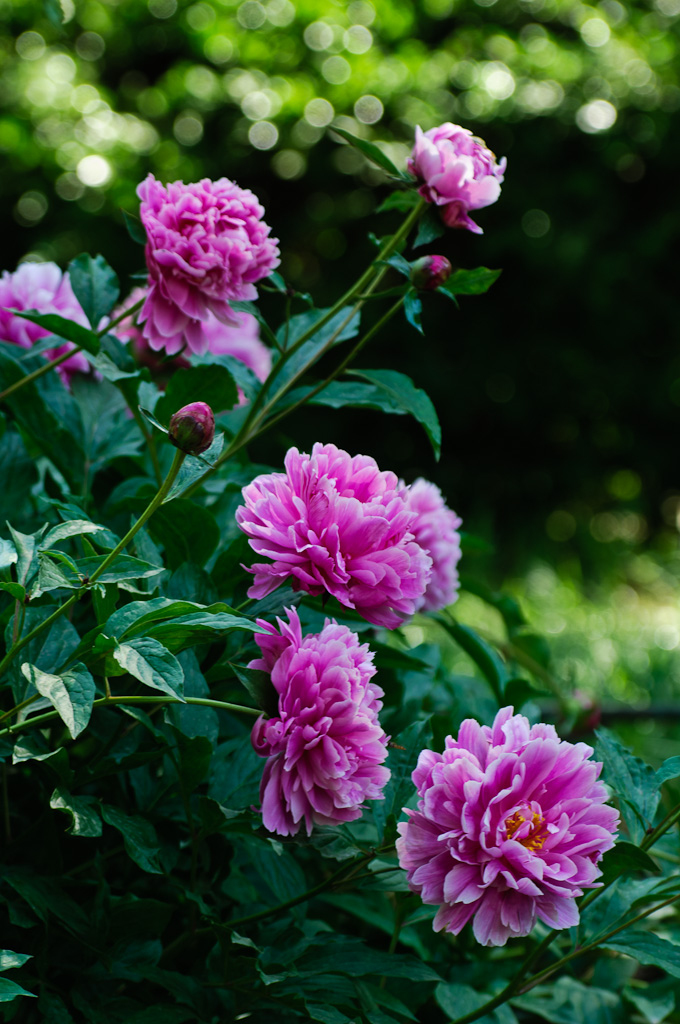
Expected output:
(319, 112)
(263, 135)
(596, 116)
(535, 223)
(368, 109)
(94, 170)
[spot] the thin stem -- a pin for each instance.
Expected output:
(62, 609)
(46, 367)
(147, 435)
(102, 702)
(249, 428)
(336, 373)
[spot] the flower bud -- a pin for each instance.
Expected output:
(192, 428)
(430, 272)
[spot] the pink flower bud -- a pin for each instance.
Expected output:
(430, 272)
(192, 428)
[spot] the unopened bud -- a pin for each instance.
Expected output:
(192, 428)
(430, 272)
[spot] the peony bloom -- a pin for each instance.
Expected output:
(436, 530)
(338, 524)
(510, 825)
(207, 244)
(457, 172)
(43, 287)
(326, 747)
(240, 339)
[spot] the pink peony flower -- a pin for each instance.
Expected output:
(510, 825)
(40, 286)
(457, 172)
(240, 339)
(207, 244)
(326, 747)
(436, 530)
(338, 524)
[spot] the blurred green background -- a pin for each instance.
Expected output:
(559, 392)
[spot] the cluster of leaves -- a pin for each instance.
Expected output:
(138, 883)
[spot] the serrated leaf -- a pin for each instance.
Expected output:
(152, 664)
(85, 820)
(139, 837)
(95, 285)
(63, 328)
(370, 150)
(413, 309)
(470, 282)
(71, 693)
(405, 396)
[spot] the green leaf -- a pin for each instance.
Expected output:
(260, 687)
(62, 328)
(8, 554)
(9, 959)
(194, 467)
(10, 990)
(344, 323)
(71, 693)
(402, 395)
(647, 948)
(139, 837)
(670, 769)
(195, 754)
(623, 859)
(200, 628)
(135, 618)
(25, 545)
(357, 959)
(568, 1001)
(470, 282)
(152, 420)
(212, 384)
(458, 1000)
(413, 308)
(71, 528)
(85, 820)
(401, 760)
(402, 200)
(149, 661)
(95, 285)
(633, 781)
(370, 150)
(17, 472)
(135, 228)
(14, 590)
(187, 531)
(654, 1011)
(45, 896)
(430, 228)
(124, 567)
(484, 656)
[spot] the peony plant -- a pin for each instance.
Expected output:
(213, 812)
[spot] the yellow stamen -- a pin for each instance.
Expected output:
(537, 836)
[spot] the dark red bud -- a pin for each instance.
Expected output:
(192, 428)
(430, 272)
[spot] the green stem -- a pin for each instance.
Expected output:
(336, 373)
(249, 428)
(103, 702)
(46, 367)
(62, 609)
